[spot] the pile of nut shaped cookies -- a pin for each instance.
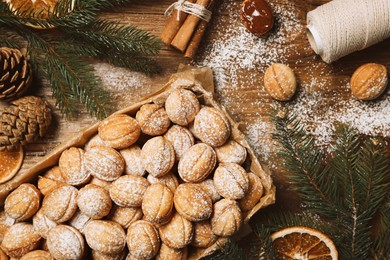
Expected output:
(144, 187)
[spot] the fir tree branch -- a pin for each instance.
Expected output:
(304, 162)
(67, 71)
(230, 251)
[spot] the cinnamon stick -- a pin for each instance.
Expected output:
(184, 35)
(198, 35)
(173, 25)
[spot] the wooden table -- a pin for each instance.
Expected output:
(245, 99)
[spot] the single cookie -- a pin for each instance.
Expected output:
(177, 233)
(231, 181)
(211, 126)
(182, 106)
(157, 204)
(105, 236)
(65, 242)
(203, 235)
(60, 204)
(143, 240)
(94, 201)
(128, 190)
(20, 239)
(153, 119)
(181, 139)
(119, 131)
(72, 168)
(231, 152)
(192, 202)
(104, 163)
(226, 219)
(158, 156)
(22, 203)
(197, 163)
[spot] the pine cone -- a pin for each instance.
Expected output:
(15, 73)
(23, 121)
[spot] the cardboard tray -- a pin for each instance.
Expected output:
(200, 81)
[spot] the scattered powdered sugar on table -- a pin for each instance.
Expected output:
(118, 79)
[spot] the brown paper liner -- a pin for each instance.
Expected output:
(200, 81)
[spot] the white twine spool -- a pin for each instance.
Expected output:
(341, 27)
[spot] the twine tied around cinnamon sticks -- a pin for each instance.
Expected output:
(189, 8)
(186, 24)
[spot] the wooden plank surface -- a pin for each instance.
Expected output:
(241, 89)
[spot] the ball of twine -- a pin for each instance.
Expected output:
(341, 27)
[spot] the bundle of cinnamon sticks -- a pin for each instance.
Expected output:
(185, 31)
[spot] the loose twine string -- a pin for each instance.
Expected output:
(341, 27)
(190, 8)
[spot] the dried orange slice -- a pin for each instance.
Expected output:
(302, 243)
(41, 7)
(10, 162)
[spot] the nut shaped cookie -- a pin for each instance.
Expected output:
(79, 221)
(128, 191)
(170, 180)
(197, 163)
(20, 239)
(133, 160)
(72, 168)
(227, 218)
(105, 236)
(65, 242)
(231, 152)
(192, 202)
(231, 181)
(94, 201)
(181, 139)
(37, 255)
(203, 235)
(125, 216)
(119, 131)
(157, 204)
(104, 163)
(172, 254)
(280, 82)
(60, 204)
(211, 126)
(153, 119)
(22, 203)
(254, 193)
(42, 224)
(208, 186)
(369, 81)
(143, 240)
(182, 106)
(158, 156)
(46, 185)
(177, 233)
